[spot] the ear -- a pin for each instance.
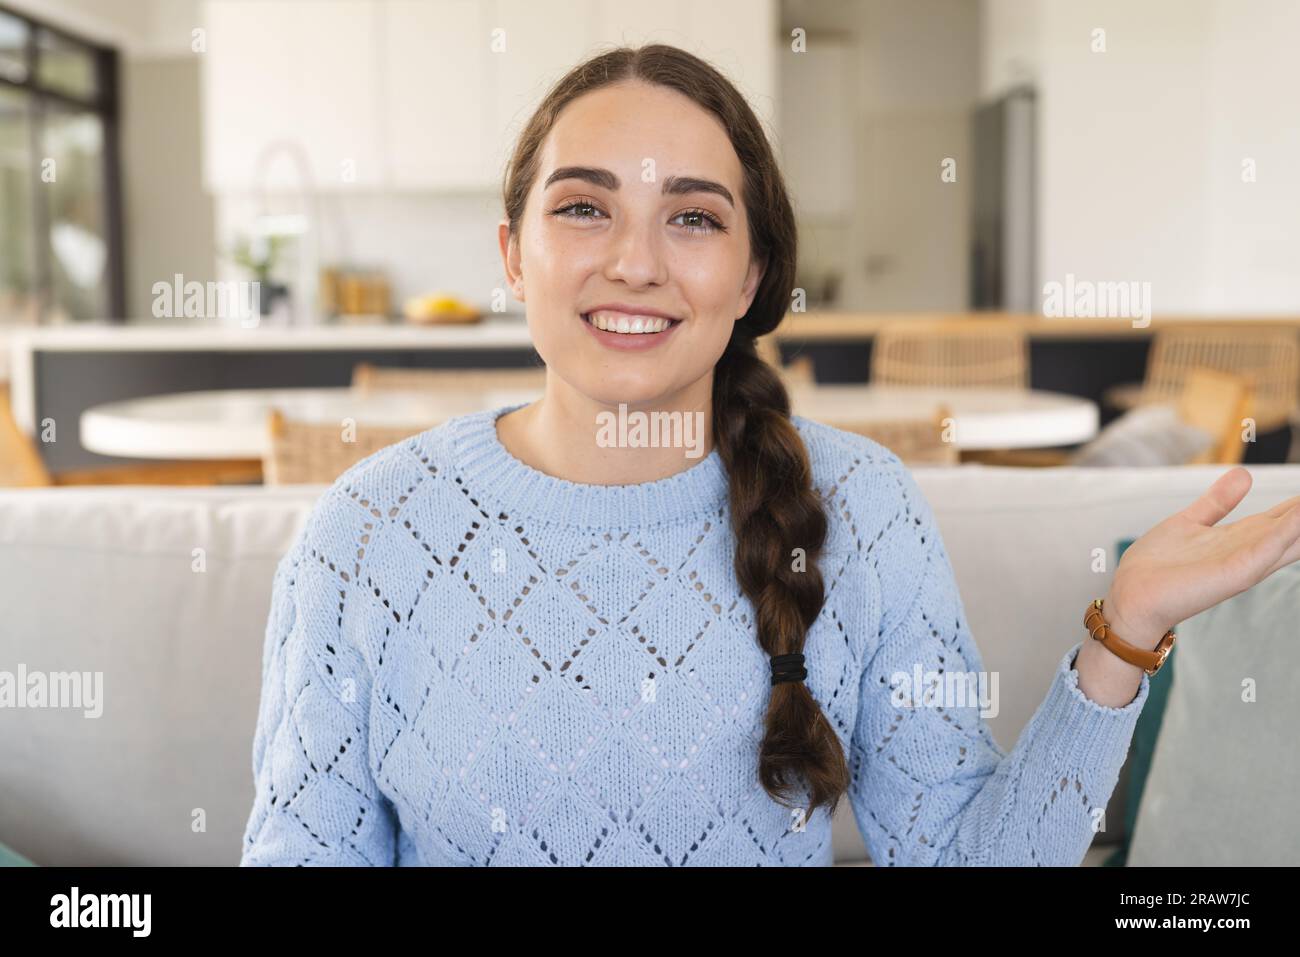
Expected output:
(510, 259)
(750, 287)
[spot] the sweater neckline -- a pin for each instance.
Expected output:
(492, 473)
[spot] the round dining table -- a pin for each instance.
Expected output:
(232, 423)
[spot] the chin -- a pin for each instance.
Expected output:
(633, 396)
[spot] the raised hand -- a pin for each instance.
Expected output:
(1189, 562)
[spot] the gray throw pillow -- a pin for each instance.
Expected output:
(1146, 436)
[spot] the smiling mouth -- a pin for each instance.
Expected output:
(629, 325)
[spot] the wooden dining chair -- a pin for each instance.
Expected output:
(954, 353)
(797, 372)
(1268, 358)
(369, 378)
(187, 472)
(1217, 402)
(21, 465)
(314, 453)
(914, 441)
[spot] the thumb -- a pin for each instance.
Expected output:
(1220, 498)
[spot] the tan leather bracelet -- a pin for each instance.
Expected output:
(1148, 661)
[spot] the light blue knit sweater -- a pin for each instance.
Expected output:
(469, 661)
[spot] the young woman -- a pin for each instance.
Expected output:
(508, 641)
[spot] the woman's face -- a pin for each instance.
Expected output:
(637, 204)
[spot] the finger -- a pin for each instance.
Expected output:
(1220, 498)
(1268, 515)
(1281, 508)
(1282, 536)
(1288, 534)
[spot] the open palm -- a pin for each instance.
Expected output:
(1189, 562)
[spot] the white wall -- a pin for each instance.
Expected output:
(1141, 146)
(422, 242)
(1253, 231)
(135, 27)
(167, 218)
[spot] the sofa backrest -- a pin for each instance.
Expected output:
(109, 580)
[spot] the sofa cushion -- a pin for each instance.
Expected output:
(1223, 780)
(160, 597)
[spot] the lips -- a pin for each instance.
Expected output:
(622, 322)
(654, 332)
(632, 309)
(625, 319)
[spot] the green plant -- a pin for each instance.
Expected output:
(259, 255)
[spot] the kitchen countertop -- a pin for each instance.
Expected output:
(849, 326)
(510, 331)
(268, 348)
(504, 331)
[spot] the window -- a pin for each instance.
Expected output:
(60, 196)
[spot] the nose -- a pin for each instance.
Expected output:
(636, 253)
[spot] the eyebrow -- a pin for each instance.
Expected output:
(672, 185)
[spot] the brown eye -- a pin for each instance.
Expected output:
(578, 209)
(700, 221)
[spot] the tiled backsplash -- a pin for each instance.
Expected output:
(422, 242)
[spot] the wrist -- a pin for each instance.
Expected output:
(1097, 662)
(1104, 677)
(1132, 629)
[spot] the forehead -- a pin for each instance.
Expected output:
(618, 127)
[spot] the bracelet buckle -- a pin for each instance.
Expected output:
(1149, 661)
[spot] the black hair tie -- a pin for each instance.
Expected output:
(788, 668)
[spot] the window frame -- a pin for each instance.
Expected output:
(105, 105)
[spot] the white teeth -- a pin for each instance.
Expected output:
(631, 325)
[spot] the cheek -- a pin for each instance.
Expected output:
(552, 277)
(558, 267)
(711, 281)
(712, 335)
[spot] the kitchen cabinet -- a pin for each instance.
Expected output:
(294, 86)
(736, 35)
(427, 94)
(540, 47)
(436, 75)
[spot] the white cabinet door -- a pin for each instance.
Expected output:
(425, 94)
(436, 93)
(736, 37)
(541, 45)
(532, 45)
(631, 23)
(283, 77)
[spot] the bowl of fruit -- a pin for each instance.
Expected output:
(439, 308)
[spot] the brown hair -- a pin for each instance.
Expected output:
(774, 507)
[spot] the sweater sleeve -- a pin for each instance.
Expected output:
(316, 802)
(930, 785)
